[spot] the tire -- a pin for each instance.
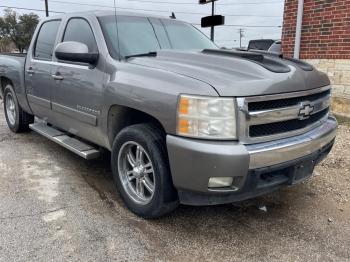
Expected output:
(150, 140)
(17, 120)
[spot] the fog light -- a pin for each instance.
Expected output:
(220, 182)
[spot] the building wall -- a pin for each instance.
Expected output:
(325, 29)
(338, 71)
(325, 43)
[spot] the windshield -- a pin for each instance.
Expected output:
(141, 35)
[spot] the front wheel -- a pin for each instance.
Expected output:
(17, 120)
(141, 171)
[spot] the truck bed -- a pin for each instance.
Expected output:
(12, 67)
(14, 54)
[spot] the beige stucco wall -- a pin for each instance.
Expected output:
(338, 71)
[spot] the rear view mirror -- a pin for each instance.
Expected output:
(75, 52)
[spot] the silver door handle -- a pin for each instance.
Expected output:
(30, 72)
(57, 77)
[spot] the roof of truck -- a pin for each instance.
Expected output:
(100, 13)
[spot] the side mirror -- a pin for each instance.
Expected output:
(75, 52)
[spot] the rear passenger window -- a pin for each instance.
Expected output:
(45, 41)
(79, 30)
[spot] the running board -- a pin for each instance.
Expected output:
(76, 146)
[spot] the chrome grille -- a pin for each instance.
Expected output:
(271, 104)
(266, 118)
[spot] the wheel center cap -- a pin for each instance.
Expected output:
(138, 170)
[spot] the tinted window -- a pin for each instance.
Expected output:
(276, 47)
(109, 30)
(136, 36)
(161, 33)
(46, 40)
(260, 44)
(79, 30)
(185, 36)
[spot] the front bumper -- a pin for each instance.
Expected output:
(256, 168)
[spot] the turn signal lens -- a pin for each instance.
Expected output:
(206, 117)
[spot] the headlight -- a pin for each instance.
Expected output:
(206, 117)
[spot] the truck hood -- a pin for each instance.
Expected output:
(235, 76)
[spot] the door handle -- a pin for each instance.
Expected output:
(30, 71)
(57, 77)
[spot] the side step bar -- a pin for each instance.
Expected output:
(76, 146)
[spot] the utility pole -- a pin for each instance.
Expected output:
(47, 8)
(212, 27)
(240, 31)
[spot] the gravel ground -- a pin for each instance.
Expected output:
(55, 206)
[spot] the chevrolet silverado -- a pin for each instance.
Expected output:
(185, 121)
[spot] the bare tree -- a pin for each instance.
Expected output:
(18, 29)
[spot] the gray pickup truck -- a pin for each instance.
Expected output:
(185, 121)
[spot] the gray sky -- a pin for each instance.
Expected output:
(246, 14)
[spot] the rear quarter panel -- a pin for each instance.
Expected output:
(12, 68)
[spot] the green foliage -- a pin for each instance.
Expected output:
(18, 29)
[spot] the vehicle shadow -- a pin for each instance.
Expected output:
(281, 205)
(276, 204)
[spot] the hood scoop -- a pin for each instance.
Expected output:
(269, 62)
(301, 64)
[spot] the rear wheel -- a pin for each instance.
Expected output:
(141, 171)
(17, 120)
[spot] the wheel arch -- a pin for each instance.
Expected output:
(4, 81)
(120, 117)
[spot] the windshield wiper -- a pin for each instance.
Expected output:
(139, 55)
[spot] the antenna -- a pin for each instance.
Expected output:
(46, 8)
(173, 16)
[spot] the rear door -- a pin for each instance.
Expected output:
(38, 69)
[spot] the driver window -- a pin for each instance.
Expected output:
(79, 30)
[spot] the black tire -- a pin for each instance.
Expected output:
(22, 119)
(152, 140)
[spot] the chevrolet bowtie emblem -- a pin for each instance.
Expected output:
(305, 110)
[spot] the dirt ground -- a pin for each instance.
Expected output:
(55, 206)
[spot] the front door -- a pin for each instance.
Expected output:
(38, 70)
(78, 87)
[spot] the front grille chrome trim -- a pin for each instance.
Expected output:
(286, 113)
(250, 118)
(286, 95)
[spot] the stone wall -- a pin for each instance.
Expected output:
(338, 71)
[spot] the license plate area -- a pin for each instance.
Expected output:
(301, 171)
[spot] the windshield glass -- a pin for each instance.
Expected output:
(139, 35)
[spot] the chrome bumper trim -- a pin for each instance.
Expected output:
(279, 151)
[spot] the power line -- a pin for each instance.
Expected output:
(83, 4)
(263, 26)
(153, 10)
(186, 3)
(226, 40)
(253, 3)
(29, 9)
(60, 12)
